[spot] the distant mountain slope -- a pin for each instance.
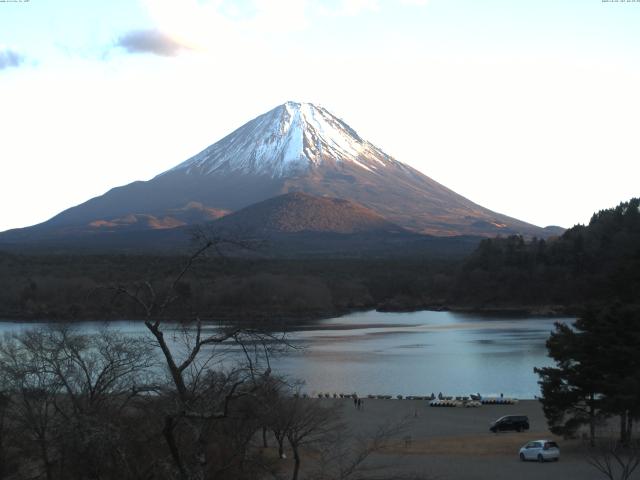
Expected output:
(296, 147)
(299, 212)
(290, 225)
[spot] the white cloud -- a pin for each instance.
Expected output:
(419, 3)
(349, 8)
(204, 24)
(280, 15)
(149, 41)
(10, 58)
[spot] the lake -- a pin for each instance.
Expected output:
(413, 353)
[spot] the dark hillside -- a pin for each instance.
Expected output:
(299, 212)
(70, 287)
(594, 264)
(587, 264)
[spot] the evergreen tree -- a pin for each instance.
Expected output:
(571, 391)
(597, 371)
(617, 328)
(598, 263)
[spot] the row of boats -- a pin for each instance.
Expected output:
(434, 401)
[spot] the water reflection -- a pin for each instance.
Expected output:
(422, 352)
(405, 353)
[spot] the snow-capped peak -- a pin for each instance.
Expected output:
(290, 138)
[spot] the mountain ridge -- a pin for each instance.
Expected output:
(298, 212)
(294, 147)
(289, 138)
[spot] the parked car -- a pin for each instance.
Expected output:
(540, 450)
(510, 422)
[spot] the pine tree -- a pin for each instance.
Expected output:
(571, 391)
(617, 328)
(597, 372)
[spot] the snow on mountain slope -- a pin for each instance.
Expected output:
(285, 141)
(295, 147)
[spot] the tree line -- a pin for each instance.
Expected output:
(594, 263)
(69, 288)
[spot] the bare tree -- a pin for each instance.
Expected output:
(308, 421)
(74, 395)
(273, 411)
(32, 393)
(315, 426)
(202, 386)
(614, 460)
(66, 394)
(4, 403)
(270, 392)
(95, 371)
(344, 455)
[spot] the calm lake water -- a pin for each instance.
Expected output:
(413, 353)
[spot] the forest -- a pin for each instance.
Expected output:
(592, 264)
(588, 264)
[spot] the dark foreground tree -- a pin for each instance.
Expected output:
(5, 467)
(614, 460)
(214, 373)
(617, 329)
(189, 401)
(66, 395)
(571, 391)
(597, 372)
(344, 454)
(308, 421)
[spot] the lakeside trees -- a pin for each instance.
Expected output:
(597, 373)
(64, 401)
(70, 288)
(598, 263)
(73, 397)
(185, 403)
(82, 407)
(78, 407)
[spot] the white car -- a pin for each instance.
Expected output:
(540, 450)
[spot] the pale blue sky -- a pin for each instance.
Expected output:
(529, 108)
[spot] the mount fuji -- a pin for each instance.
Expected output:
(296, 147)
